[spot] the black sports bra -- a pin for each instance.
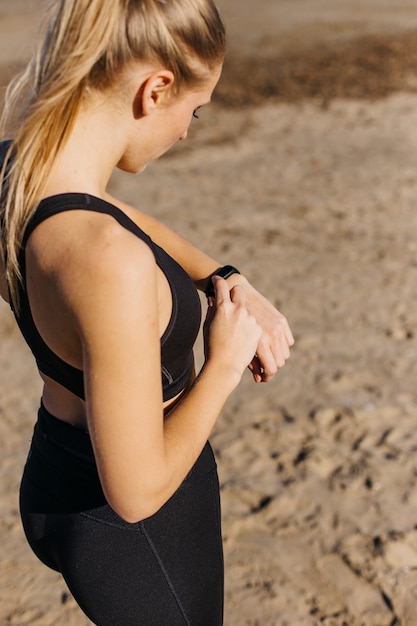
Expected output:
(179, 337)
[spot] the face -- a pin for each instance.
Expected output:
(167, 124)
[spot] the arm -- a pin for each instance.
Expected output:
(276, 339)
(142, 458)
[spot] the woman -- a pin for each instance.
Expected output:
(120, 490)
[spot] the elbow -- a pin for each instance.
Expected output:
(138, 499)
(133, 515)
(131, 511)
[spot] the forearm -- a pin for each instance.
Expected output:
(188, 426)
(144, 459)
(273, 349)
(198, 265)
(146, 476)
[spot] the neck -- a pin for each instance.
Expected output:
(93, 149)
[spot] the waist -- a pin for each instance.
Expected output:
(69, 448)
(64, 437)
(71, 409)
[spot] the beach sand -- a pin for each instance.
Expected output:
(303, 174)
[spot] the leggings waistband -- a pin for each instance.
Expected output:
(64, 435)
(66, 446)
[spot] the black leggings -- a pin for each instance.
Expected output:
(166, 570)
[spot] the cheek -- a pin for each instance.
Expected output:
(177, 133)
(178, 128)
(181, 124)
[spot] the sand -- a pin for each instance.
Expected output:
(302, 173)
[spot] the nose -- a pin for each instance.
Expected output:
(184, 135)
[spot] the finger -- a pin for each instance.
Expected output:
(288, 334)
(279, 339)
(221, 289)
(256, 369)
(280, 351)
(209, 314)
(268, 366)
(211, 309)
(271, 356)
(238, 295)
(281, 329)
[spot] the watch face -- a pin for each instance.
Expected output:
(224, 272)
(227, 271)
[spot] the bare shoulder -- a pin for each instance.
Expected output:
(88, 256)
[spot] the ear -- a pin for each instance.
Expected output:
(154, 91)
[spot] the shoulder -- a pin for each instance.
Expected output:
(85, 253)
(85, 236)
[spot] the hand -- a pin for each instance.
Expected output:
(276, 339)
(231, 332)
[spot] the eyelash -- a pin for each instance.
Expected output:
(195, 114)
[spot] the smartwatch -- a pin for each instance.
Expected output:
(223, 272)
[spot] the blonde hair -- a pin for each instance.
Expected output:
(86, 43)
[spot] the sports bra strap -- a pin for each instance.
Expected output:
(79, 201)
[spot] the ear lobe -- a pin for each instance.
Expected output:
(153, 92)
